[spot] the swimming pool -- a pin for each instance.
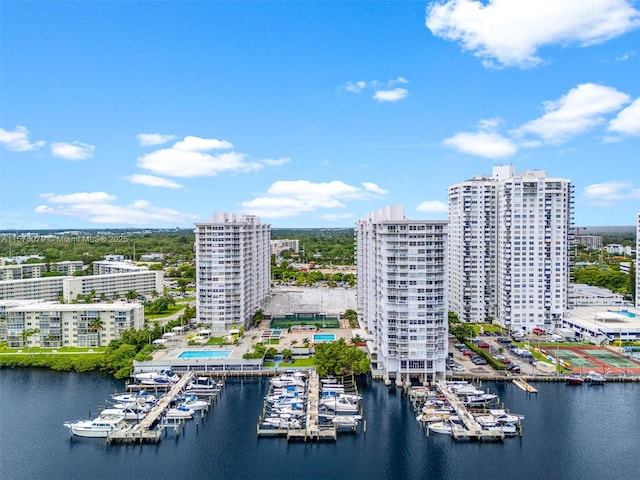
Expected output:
(205, 354)
(323, 337)
(627, 313)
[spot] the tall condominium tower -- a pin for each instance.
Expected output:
(509, 254)
(637, 292)
(402, 292)
(232, 269)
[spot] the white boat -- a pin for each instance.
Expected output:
(351, 397)
(162, 374)
(595, 378)
(293, 411)
(444, 428)
(346, 421)
(339, 405)
(287, 402)
(130, 412)
(509, 429)
(282, 422)
(194, 404)
(180, 412)
(99, 427)
(141, 397)
(203, 386)
(503, 417)
(479, 400)
(287, 380)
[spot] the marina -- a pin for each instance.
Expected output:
(394, 445)
(463, 411)
(301, 406)
(141, 417)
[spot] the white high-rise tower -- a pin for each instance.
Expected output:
(402, 292)
(232, 269)
(509, 256)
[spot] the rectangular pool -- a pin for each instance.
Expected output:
(205, 354)
(324, 337)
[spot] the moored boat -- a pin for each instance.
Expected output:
(574, 380)
(595, 378)
(100, 427)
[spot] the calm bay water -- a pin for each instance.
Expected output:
(569, 433)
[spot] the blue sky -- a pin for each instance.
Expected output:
(309, 113)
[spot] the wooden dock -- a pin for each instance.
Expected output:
(523, 385)
(312, 429)
(143, 431)
(471, 429)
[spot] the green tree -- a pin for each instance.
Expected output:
(182, 285)
(96, 325)
(337, 358)
(26, 334)
(131, 295)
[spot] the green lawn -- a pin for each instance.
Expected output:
(172, 310)
(300, 362)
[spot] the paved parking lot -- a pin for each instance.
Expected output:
(310, 299)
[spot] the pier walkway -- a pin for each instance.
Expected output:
(312, 429)
(143, 431)
(471, 429)
(523, 385)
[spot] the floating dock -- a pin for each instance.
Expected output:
(523, 385)
(471, 428)
(143, 431)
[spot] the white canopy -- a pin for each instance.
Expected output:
(169, 335)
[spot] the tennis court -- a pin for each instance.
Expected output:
(574, 359)
(612, 359)
(583, 359)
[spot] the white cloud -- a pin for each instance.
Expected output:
(511, 32)
(293, 198)
(82, 197)
(147, 139)
(72, 151)
(390, 95)
(355, 87)
(197, 144)
(190, 158)
(625, 56)
(177, 163)
(152, 181)
(275, 162)
(607, 193)
(383, 91)
(372, 187)
(99, 208)
(575, 112)
(628, 120)
(433, 206)
(18, 140)
(482, 144)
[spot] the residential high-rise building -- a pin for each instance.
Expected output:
(402, 293)
(233, 270)
(637, 266)
(509, 254)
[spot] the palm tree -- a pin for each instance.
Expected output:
(95, 326)
(131, 295)
(26, 333)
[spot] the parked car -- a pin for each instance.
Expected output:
(538, 331)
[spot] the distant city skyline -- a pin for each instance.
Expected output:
(309, 114)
